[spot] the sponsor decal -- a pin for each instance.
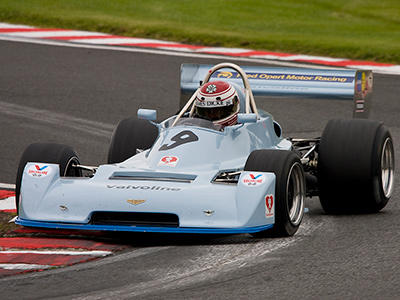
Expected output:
(142, 187)
(360, 82)
(215, 103)
(367, 85)
(224, 74)
(269, 206)
(211, 88)
(253, 179)
(136, 201)
(360, 106)
(290, 77)
(169, 161)
(39, 170)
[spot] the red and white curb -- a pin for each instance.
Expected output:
(26, 254)
(96, 38)
(7, 201)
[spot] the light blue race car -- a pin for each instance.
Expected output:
(194, 174)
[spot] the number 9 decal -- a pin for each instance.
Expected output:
(181, 138)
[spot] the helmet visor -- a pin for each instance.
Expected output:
(215, 113)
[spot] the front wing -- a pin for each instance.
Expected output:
(101, 203)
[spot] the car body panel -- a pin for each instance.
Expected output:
(200, 203)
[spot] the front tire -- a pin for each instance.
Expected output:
(63, 155)
(355, 166)
(130, 135)
(290, 189)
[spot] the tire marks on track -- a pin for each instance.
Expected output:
(57, 119)
(212, 262)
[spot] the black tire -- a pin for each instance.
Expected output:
(355, 166)
(129, 135)
(290, 189)
(63, 155)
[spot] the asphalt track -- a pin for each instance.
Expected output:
(77, 96)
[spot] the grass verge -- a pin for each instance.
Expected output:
(362, 30)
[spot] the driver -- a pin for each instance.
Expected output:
(218, 101)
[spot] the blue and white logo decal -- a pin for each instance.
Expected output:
(253, 179)
(39, 170)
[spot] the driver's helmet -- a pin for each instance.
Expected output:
(218, 101)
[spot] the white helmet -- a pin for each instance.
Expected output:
(219, 102)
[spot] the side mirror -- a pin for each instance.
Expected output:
(246, 118)
(147, 114)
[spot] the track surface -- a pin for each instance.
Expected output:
(77, 96)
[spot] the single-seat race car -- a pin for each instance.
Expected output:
(220, 165)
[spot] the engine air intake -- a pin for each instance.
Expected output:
(134, 219)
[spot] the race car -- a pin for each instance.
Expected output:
(220, 165)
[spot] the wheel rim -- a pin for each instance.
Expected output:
(295, 192)
(387, 168)
(70, 170)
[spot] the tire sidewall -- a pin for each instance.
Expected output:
(129, 135)
(378, 194)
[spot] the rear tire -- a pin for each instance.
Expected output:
(63, 155)
(290, 189)
(355, 166)
(129, 135)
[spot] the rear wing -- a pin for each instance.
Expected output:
(353, 85)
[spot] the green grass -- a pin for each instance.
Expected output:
(362, 30)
